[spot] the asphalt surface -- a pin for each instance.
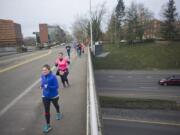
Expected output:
(164, 116)
(140, 122)
(21, 109)
(138, 84)
(118, 127)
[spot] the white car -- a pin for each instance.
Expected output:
(62, 44)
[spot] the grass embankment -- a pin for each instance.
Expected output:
(147, 56)
(132, 103)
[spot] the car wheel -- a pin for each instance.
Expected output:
(165, 84)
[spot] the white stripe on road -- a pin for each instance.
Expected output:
(25, 62)
(142, 121)
(19, 57)
(138, 95)
(149, 87)
(5, 109)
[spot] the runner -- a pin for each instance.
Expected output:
(49, 86)
(68, 49)
(62, 65)
(79, 49)
(83, 48)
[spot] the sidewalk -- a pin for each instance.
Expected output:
(72, 104)
(25, 112)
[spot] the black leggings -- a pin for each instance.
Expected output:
(47, 103)
(69, 52)
(64, 78)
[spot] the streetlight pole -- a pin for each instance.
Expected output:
(91, 46)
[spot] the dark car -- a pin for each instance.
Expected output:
(172, 80)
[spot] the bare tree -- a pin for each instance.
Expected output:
(80, 28)
(96, 18)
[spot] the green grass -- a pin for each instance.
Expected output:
(146, 56)
(133, 103)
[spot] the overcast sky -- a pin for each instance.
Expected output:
(29, 13)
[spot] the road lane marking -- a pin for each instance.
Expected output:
(129, 77)
(19, 57)
(149, 77)
(142, 121)
(138, 95)
(149, 87)
(115, 81)
(5, 109)
(25, 62)
(110, 76)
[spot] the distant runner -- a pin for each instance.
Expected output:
(68, 49)
(79, 49)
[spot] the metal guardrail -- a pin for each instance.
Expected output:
(93, 116)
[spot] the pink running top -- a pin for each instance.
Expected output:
(62, 64)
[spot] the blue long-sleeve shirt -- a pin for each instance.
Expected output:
(51, 81)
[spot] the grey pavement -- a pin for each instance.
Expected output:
(117, 127)
(136, 84)
(161, 116)
(140, 122)
(72, 105)
(7, 53)
(25, 115)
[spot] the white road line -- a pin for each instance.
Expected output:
(149, 77)
(110, 76)
(149, 88)
(138, 95)
(142, 121)
(5, 109)
(110, 80)
(19, 57)
(24, 62)
(129, 77)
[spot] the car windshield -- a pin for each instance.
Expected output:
(169, 78)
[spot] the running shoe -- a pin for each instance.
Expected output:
(47, 128)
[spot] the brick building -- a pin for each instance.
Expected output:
(50, 34)
(152, 30)
(43, 33)
(10, 33)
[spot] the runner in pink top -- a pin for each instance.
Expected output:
(62, 65)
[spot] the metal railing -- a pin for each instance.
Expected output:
(93, 116)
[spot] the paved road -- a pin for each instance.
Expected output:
(140, 84)
(140, 122)
(21, 111)
(118, 127)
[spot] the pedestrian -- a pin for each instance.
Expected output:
(79, 49)
(68, 49)
(62, 69)
(82, 48)
(49, 86)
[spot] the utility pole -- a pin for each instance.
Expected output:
(91, 46)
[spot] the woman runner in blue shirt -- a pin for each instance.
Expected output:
(49, 86)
